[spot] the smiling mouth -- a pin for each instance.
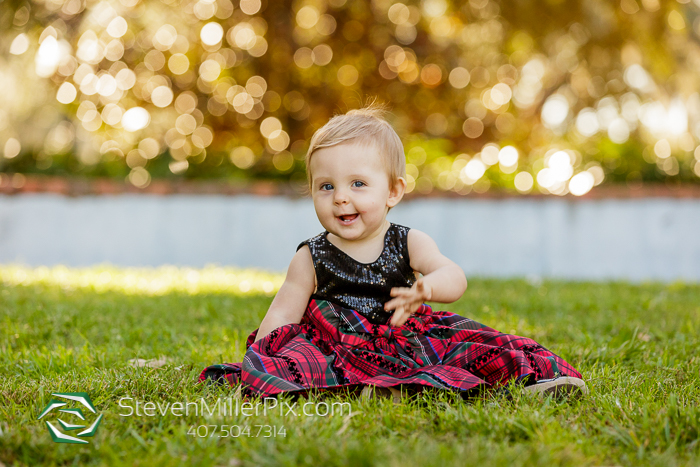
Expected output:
(347, 218)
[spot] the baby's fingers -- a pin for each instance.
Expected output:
(415, 306)
(399, 317)
(396, 291)
(394, 303)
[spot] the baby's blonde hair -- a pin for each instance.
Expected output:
(365, 126)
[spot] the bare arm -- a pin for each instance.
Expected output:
(446, 280)
(443, 281)
(290, 303)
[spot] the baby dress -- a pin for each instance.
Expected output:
(344, 340)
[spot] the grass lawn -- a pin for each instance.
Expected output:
(69, 330)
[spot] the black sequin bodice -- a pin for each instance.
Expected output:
(364, 287)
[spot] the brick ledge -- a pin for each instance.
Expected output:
(73, 186)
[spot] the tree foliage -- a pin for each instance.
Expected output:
(519, 95)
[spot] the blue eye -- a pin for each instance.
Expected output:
(326, 187)
(358, 184)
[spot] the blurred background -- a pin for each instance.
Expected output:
(555, 96)
(499, 98)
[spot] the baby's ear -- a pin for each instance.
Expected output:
(396, 192)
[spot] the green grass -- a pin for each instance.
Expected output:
(65, 330)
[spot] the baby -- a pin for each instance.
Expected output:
(351, 311)
(356, 170)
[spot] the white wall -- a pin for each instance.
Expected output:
(636, 239)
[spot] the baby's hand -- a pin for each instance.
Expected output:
(407, 301)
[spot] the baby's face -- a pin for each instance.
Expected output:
(350, 189)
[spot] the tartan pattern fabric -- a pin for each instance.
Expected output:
(335, 347)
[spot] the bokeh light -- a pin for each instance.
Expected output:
(555, 110)
(348, 75)
(20, 44)
(211, 33)
(66, 93)
(136, 118)
(523, 182)
(581, 183)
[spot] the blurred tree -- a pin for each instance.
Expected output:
(518, 95)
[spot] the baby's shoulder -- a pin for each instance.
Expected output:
(301, 268)
(417, 240)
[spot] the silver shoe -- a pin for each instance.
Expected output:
(371, 391)
(562, 386)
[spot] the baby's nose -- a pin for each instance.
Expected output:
(340, 197)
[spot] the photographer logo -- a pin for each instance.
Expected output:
(60, 407)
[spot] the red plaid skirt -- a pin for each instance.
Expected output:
(336, 348)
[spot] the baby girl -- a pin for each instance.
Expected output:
(351, 312)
